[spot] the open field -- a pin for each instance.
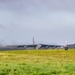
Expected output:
(37, 62)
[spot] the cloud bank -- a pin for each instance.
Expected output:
(48, 21)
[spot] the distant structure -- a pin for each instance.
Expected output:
(33, 41)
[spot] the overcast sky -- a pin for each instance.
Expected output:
(48, 21)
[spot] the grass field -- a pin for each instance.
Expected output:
(37, 62)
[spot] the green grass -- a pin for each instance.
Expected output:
(37, 62)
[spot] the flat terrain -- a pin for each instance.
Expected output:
(37, 62)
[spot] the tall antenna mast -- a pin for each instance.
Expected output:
(33, 41)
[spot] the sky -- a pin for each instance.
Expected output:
(48, 21)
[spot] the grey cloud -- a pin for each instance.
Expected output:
(2, 26)
(51, 5)
(46, 20)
